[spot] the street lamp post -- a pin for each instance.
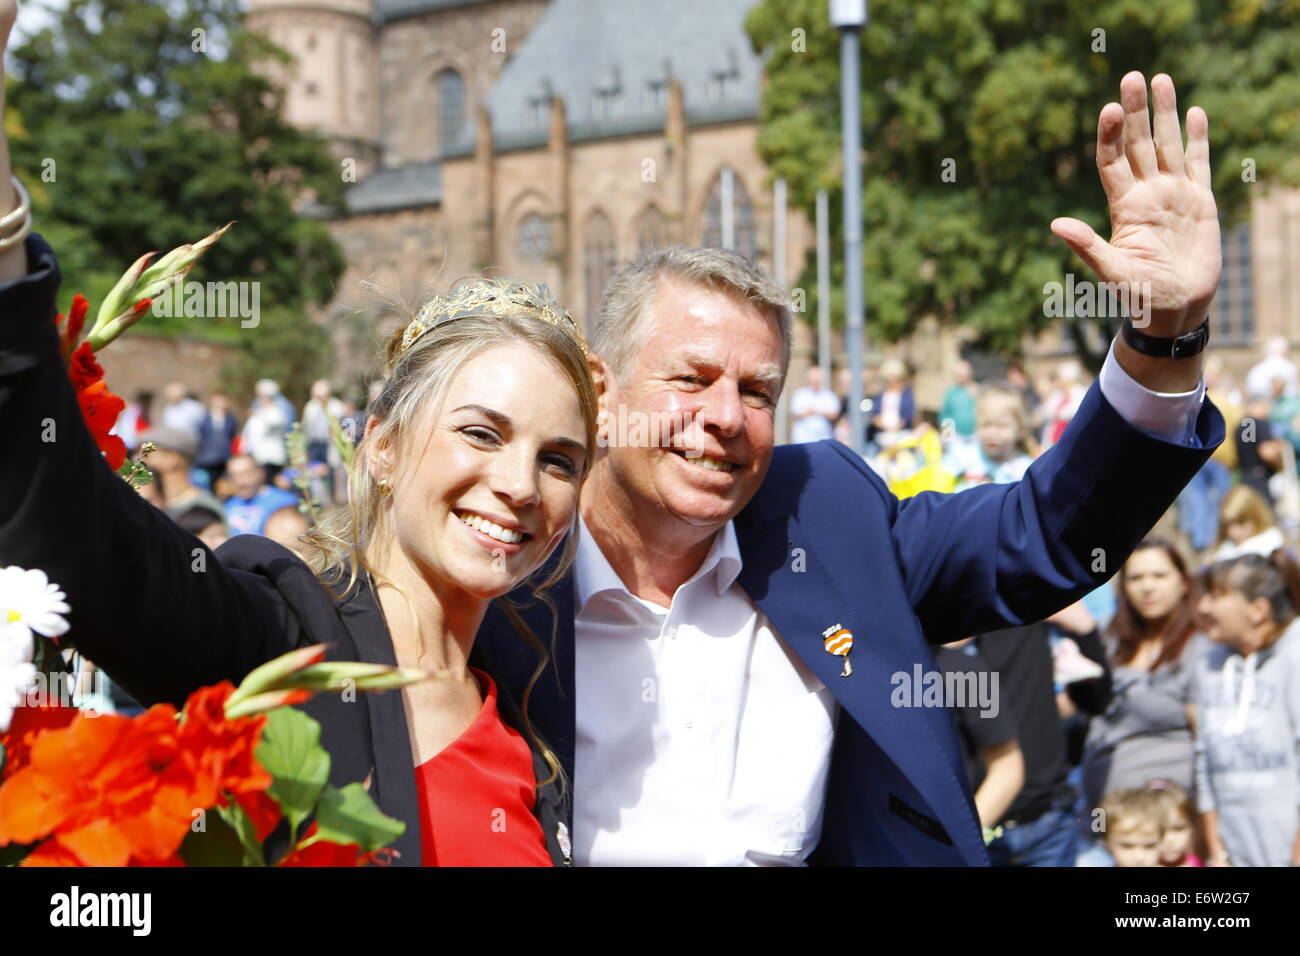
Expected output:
(849, 17)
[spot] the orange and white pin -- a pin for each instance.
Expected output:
(838, 640)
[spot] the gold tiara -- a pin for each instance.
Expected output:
(499, 297)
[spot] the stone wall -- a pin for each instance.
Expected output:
(137, 362)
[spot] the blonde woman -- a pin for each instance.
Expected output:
(465, 484)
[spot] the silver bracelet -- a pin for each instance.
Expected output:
(22, 215)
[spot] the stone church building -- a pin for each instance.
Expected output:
(547, 139)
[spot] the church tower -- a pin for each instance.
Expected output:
(333, 85)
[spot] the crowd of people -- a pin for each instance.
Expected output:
(1156, 722)
(218, 474)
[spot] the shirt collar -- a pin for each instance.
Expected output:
(593, 574)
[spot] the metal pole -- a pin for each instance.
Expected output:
(854, 304)
(778, 273)
(824, 286)
(778, 232)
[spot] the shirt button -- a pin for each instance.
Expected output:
(689, 723)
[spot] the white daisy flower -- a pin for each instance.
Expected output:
(29, 604)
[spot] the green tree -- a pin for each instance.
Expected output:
(979, 127)
(147, 125)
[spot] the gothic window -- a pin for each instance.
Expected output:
(652, 231)
(451, 110)
(743, 236)
(599, 256)
(534, 239)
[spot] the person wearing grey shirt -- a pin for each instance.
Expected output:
(1247, 694)
(1145, 734)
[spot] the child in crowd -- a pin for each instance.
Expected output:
(1176, 825)
(1247, 698)
(1246, 525)
(1002, 452)
(1133, 820)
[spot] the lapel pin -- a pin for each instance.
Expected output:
(838, 640)
(562, 839)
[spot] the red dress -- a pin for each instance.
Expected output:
(477, 796)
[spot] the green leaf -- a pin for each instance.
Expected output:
(349, 815)
(245, 832)
(219, 844)
(291, 753)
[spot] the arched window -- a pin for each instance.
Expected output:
(743, 236)
(599, 256)
(533, 240)
(451, 110)
(652, 231)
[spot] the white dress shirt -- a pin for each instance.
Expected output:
(701, 740)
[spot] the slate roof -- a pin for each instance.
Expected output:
(397, 187)
(603, 58)
(580, 47)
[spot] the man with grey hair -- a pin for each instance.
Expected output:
(741, 652)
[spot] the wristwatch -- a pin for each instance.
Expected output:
(1179, 347)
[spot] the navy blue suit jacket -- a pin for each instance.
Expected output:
(824, 542)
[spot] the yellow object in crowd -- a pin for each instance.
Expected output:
(915, 464)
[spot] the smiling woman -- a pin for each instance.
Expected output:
(467, 478)
(465, 482)
(464, 485)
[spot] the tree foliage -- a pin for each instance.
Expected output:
(1004, 96)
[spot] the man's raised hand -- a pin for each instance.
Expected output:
(1164, 227)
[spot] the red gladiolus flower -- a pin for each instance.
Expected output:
(262, 809)
(83, 369)
(112, 791)
(70, 332)
(26, 724)
(334, 854)
(100, 408)
(226, 747)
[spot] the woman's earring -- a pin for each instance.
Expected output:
(384, 487)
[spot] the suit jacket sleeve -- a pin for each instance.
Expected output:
(151, 605)
(1003, 555)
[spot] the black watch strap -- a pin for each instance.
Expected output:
(1179, 347)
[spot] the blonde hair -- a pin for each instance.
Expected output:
(1171, 798)
(1243, 503)
(415, 380)
(1016, 398)
(1131, 808)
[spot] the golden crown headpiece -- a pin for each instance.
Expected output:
(500, 297)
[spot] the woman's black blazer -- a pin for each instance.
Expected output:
(162, 614)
